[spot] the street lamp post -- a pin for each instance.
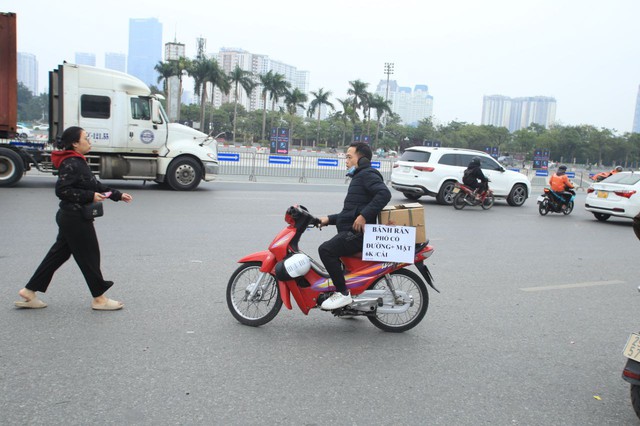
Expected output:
(388, 70)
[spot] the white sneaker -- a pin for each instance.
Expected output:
(336, 300)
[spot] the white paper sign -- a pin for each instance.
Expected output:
(387, 243)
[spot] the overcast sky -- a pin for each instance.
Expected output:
(584, 53)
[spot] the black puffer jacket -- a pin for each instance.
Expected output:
(367, 196)
(76, 184)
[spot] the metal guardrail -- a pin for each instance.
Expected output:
(301, 165)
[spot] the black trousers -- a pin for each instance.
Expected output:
(343, 244)
(77, 237)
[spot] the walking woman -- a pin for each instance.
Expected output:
(76, 187)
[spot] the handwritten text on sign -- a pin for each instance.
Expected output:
(389, 243)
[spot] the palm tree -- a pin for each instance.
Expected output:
(200, 71)
(381, 106)
(265, 82)
(274, 85)
(320, 98)
(217, 78)
(294, 99)
(181, 65)
(278, 89)
(242, 78)
(165, 71)
(347, 113)
(358, 91)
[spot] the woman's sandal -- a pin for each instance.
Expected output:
(33, 303)
(109, 305)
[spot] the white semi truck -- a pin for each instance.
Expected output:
(131, 136)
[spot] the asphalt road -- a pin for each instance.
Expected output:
(528, 328)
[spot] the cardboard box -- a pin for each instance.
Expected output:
(411, 214)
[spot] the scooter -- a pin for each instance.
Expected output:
(552, 201)
(389, 295)
(465, 196)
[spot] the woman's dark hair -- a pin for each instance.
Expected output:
(363, 149)
(70, 136)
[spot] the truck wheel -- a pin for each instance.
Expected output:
(11, 167)
(184, 174)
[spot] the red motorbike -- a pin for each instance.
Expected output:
(465, 196)
(392, 297)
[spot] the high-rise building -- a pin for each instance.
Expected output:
(636, 118)
(411, 105)
(173, 51)
(115, 61)
(257, 64)
(496, 110)
(518, 113)
(28, 71)
(84, 58)
(145, 49)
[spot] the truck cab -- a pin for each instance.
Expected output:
(130, 133)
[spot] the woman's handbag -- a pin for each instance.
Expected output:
(92, 210)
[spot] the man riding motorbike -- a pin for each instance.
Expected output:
(474, 178)
(603, 175)
(560, 183)
(366, 197)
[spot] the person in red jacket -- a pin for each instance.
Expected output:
(560, 183)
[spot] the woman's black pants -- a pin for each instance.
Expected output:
(77, 237)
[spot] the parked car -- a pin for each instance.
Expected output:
(41, 127)
(434, 171)
(24, 132)
(618, 195)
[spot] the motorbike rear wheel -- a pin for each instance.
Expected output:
(635, 399)
(408, 282)
(488, 202)
(458, 201)
(543, 207)
(266, 303)
(567, 210)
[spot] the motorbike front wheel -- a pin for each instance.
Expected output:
(263, 306)
(458, 201)
(568, 209)
(488, 202)
(408, 282)
(543, 207)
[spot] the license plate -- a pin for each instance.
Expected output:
(540, 198)
(603, 194)
(456, 190)
(632, 349)
(406, 169)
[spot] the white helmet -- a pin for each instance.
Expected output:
(297, 265)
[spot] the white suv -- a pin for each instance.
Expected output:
(434, 171)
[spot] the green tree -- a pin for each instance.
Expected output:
(320, 98)
(239, 78)
(293, 100)
(217, 78)
(165, 71)
(381, 106)
(348, 114)
(200, 71)
(358, 91)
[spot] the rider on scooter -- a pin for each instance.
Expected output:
(560, 183)
(366, 197)
(474, 178)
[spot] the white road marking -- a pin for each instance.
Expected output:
(575, 285)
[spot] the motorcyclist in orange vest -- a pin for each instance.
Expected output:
(560, 183)
(603, 175)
